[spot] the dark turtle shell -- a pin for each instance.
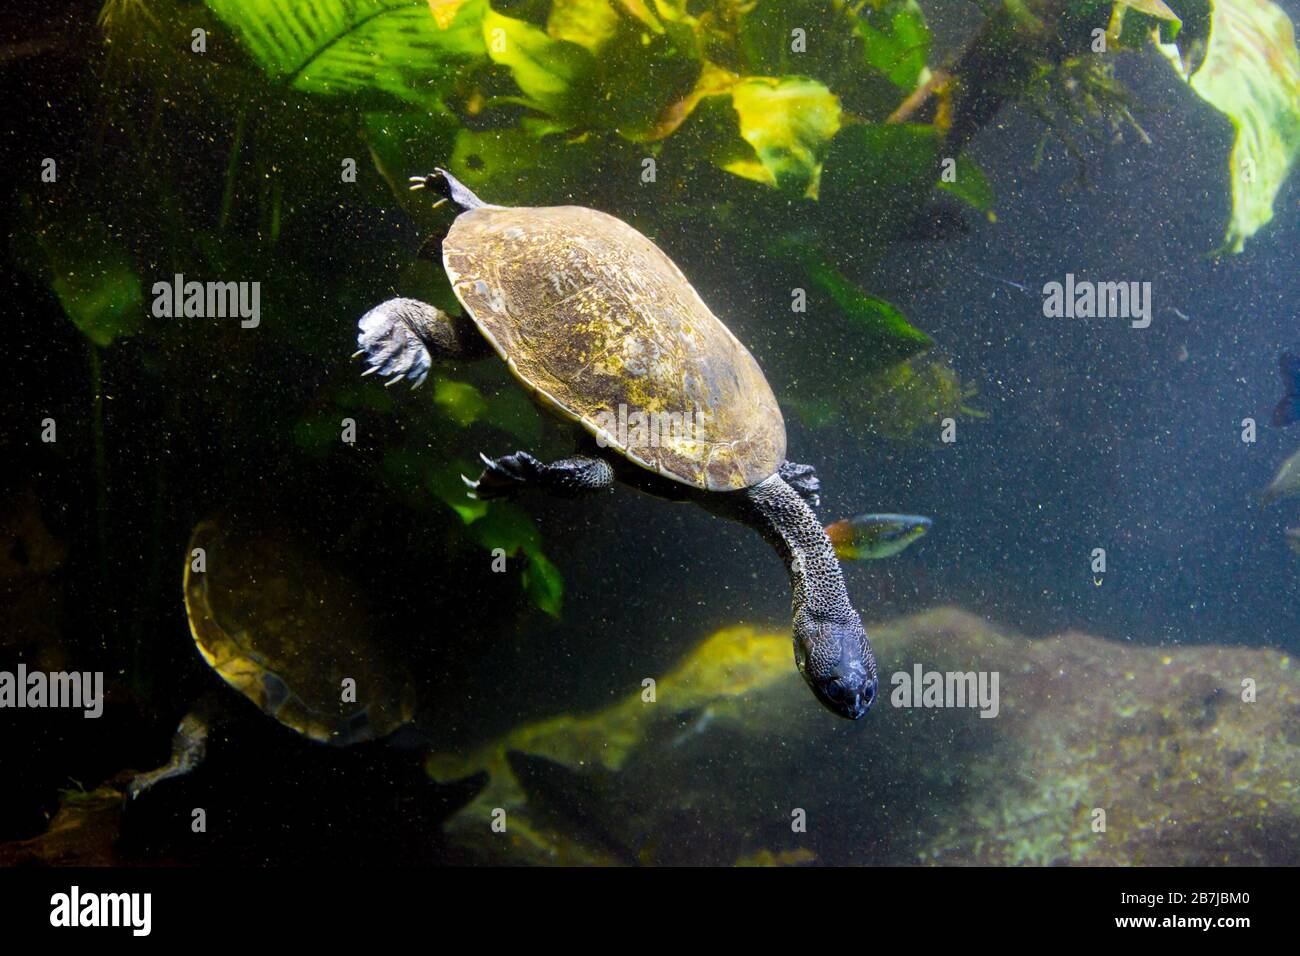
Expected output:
(286, 632)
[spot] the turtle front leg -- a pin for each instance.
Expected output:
(400, 339)
(566, 478)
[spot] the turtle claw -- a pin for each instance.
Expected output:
(390, 344)
(506, 475)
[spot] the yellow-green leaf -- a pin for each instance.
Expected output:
(1251, 74)
(544, 584)
(1152, 8)
(545, 69)
(588, 23)
(787, 121)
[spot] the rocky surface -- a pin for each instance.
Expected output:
(732, 752)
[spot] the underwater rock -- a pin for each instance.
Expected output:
(1167, 748)
(83, 832)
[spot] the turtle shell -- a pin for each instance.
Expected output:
(598, 323)
(286, 632)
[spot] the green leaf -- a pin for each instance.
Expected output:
(814, 411)
(394, 47)
(971, 185)
(876, 177)
(546, 70)
(90, 272)
(509, 528)
(511, 410)
(896, 40)
(890, 337)
(514, 167)
(459, 401)
(544, 584)
(788, 122)
(1251, 74)
(1157, 9)
(588, 23)
(501, 524)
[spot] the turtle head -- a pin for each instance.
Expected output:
(836, 660)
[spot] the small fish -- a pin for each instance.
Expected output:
(1293, 539)
(1009, 282)
(1286, 484)
(1288, 410)
(869, 537)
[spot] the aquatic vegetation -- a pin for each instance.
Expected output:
(1080, 94)
(1242, 60)
(901, 400)
(718, 678)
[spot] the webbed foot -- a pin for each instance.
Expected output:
(390, 343)
(504, 476)
(568, 477)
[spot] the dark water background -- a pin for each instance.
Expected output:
(1097, 436)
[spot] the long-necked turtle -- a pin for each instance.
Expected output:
(289, 634)
(604, 330)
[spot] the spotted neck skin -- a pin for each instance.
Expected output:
(831, 648)
(784, 519)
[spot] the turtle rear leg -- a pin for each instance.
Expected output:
(400, 338)
(566, 478)
(189, 747)
(803, 479)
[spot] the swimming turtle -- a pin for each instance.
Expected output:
(604, 331)
(290, 635)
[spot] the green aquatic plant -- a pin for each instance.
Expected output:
(899, 401)
(1244, 63)
(801, 137)
(1080, 94)
(88, 269)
